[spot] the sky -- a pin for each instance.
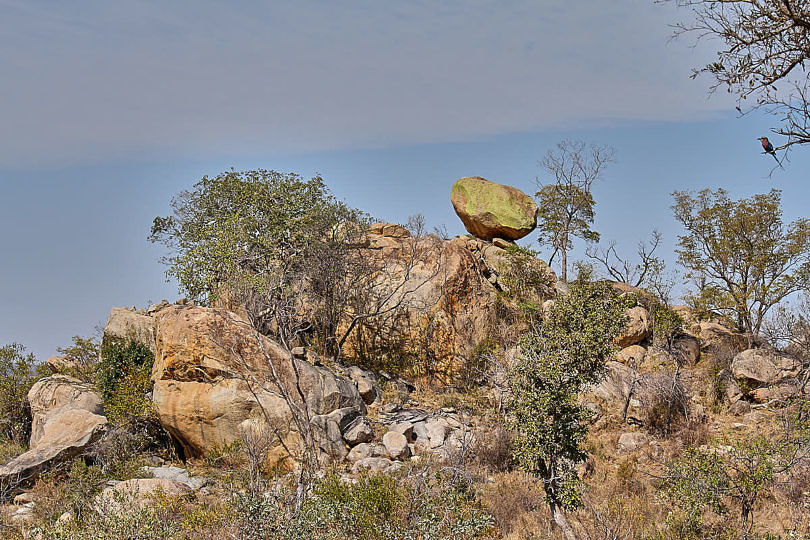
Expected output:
(108, 109)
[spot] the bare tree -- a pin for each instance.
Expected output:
(766, 44)
(625, 270)
(567, 204)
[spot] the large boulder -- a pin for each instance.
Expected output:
(440, 308)
(63, 438)
(637, 329)
(213, 375)
(489, 210)
(764, 367)
(132, 495)
(52, 396)
(131, 324)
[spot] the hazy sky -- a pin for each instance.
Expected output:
(108, 109)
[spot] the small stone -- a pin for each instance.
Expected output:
(629, 442)
(374, 464)
(361, 451)
(359, 432)
(406, 428)
(299, 352)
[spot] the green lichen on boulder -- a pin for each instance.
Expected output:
(490, 210)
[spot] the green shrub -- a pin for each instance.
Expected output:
(123, 379)
(18, 372)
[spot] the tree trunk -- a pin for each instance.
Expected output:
(564, 265)
(562, 522)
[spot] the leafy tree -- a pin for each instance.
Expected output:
(566, 353)
(18, 372)
(123, 379)
(741, 253)
(567, 204)
(250, 236)
(711, 478)
(762, 60)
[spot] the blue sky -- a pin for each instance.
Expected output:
(109, 109)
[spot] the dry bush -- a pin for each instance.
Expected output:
(693, 433)
(665, 402)
(518, 505)
(493, 448)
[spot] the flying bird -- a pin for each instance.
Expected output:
(769, 149)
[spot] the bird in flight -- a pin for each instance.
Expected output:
(769, 149)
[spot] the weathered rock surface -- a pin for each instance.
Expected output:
(764, 367)
(52, 396)
(212, 373)
(137, 493)
(131, 324)
(63, 437)
(632, 355)
(630, 442)
(396, 444)
(715, 336)
(177, 474)
(490, 210)
(638, 328)
(441, 311)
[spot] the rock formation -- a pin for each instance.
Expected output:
(489, 210)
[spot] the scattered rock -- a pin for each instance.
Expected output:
(361, 451)
(359, 432)
(489, 210)
(714, 336)
(374, 464)
(632, 441)
(24, 498)
(406, 428)
(136, 493)
(396, 445)
(177, 474)
(632, 355)
(389, 230)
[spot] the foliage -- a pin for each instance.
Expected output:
(525, 279)
(83, 354)
(765, 44)
(667, 324)
(566, 353)
(255, 237)
(123, 378)
(738, 472)
(744, 258)
(566, 206)
(18, 372)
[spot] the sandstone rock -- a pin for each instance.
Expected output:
(630, 442)
(24, 498)
(764, 367)
(632, 355)
(366, 383)
(51, 396)
(66, 365)
(638, 328)
(489, 210)
(137, 493)
(64, 437)
(128, 323)
(212, 372)
(396, 445)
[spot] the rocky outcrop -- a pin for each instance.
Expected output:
(764, 367)
(54, 395)
(714, 336)
(213, 374)
(489, 210)
(63, 438)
